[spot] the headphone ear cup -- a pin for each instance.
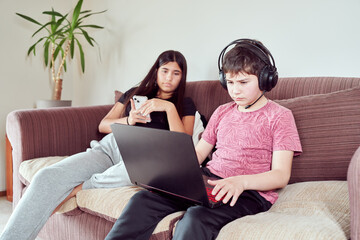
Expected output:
(263, 78)
(222, 79)
(273, 79)
(268, 78)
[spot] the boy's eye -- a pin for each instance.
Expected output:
(229, 82)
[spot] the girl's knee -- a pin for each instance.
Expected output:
(48, 175)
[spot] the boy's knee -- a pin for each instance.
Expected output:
(194, 213)
(142, 195)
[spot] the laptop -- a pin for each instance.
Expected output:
(165, 162)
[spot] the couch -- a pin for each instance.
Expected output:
(322, 200)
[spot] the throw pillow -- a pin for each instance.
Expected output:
(329, 129)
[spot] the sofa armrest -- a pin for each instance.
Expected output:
(35, 133)
(353, 178)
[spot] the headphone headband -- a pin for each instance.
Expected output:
(268, 75)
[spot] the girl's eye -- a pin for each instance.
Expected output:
(229, 82)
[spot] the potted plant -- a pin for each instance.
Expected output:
(61, 38)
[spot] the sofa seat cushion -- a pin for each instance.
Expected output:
(308, 210)
(29, 168)
(109, 204)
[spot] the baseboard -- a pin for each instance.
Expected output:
(3, 193)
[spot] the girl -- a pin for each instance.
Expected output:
(164, 85)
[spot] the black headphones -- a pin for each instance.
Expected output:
(268, 76)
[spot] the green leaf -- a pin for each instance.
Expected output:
(62, 55)
(53, 13)
(90, 14)
(87, 37)
(85, 11)
(76, 14)
(60, 21)
(46, 52)
(53, 23)
(42, 27)
(34, 45)
(92, 26)
(59, 48)
(32, 48)
(29, 19)
(82, 57)
(72, 47)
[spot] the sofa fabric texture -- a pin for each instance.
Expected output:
(320, 203)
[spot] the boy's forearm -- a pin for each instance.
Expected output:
(266, 181)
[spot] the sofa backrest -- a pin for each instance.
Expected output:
(327, 115)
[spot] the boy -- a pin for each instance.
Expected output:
(255, 141)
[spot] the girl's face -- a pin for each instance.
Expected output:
(168, 77)
(243, 88)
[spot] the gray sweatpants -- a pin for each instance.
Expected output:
(53, 184)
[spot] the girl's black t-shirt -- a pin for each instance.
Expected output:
(159, 119)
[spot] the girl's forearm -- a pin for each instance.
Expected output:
(175, 123)
(104, 126)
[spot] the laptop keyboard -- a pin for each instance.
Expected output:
(210, 196)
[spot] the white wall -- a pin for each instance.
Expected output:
(307, 38)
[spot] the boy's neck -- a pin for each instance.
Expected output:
(259, 104)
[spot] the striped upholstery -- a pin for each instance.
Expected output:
(328, 126)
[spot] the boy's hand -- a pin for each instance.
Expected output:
(231, 187)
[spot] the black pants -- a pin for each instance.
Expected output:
(145, 210)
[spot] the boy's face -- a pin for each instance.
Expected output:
(243, 88)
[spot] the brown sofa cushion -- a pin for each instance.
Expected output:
(329, 129)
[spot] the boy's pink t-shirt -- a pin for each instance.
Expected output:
(245, 140)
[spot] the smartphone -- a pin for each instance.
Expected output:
(139, 101)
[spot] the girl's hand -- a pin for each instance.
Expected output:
(135, 116)
(227, 188)
(156, 105)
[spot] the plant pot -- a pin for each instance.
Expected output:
(52, 103)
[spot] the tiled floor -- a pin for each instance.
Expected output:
(5, 211)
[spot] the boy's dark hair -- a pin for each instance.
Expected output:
(251, 57)
(241, 59)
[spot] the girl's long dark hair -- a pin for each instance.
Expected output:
(148, 86)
